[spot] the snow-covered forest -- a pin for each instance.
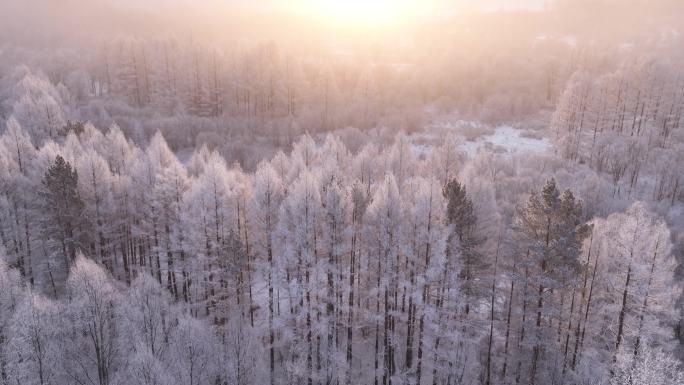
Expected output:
(474, 204)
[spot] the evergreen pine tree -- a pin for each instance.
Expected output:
(460, 216)
(62, 208)
(550, 228)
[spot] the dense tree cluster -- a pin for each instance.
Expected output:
(123, 265)
(627, 124)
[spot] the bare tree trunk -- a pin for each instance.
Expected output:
(567, 335)
(577, 355)
(491, 315)
(350, 316)
(309, 355)
(508, 328)
(377, 322)
(426, 288)
(645, 304)
(522, 327)
(623, 308)
(271, 332)
(623, 312)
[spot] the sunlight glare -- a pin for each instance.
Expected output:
(363, 12)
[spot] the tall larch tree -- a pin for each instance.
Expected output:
(266, 199)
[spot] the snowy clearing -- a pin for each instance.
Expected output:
(475, 135)
(510, 139)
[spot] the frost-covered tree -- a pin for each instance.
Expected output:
(11, 297)
(34, 350)
(94, 187)
(651, 366)
(18, 223)
(91, 350)
(38, 106)
(335, 233)
(299, 225)
(632, 291)
(265, 203)
(384, 242)
(192, 349)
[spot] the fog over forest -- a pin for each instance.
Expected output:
(322, 192)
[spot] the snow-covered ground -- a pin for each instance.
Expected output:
(510, 139)
(475, 135)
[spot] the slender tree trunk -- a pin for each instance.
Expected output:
(536, 351)
(350, 316)
(567, 335)
(623, 308)
(623, 313)
(271, 332)
(521, 340)
(27, 259)
(508, 328)
(426, 288)
(645, 304)
(439, 304)
(309, 356)
(377, 321)
(577, 354)
(491, 315)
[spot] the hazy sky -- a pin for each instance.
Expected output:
(52, 21)
(276, 4)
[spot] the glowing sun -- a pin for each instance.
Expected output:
(362, 12)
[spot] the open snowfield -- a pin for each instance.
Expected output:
(474, 135)
(510, 139)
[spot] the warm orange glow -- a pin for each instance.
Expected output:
(364, 13)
